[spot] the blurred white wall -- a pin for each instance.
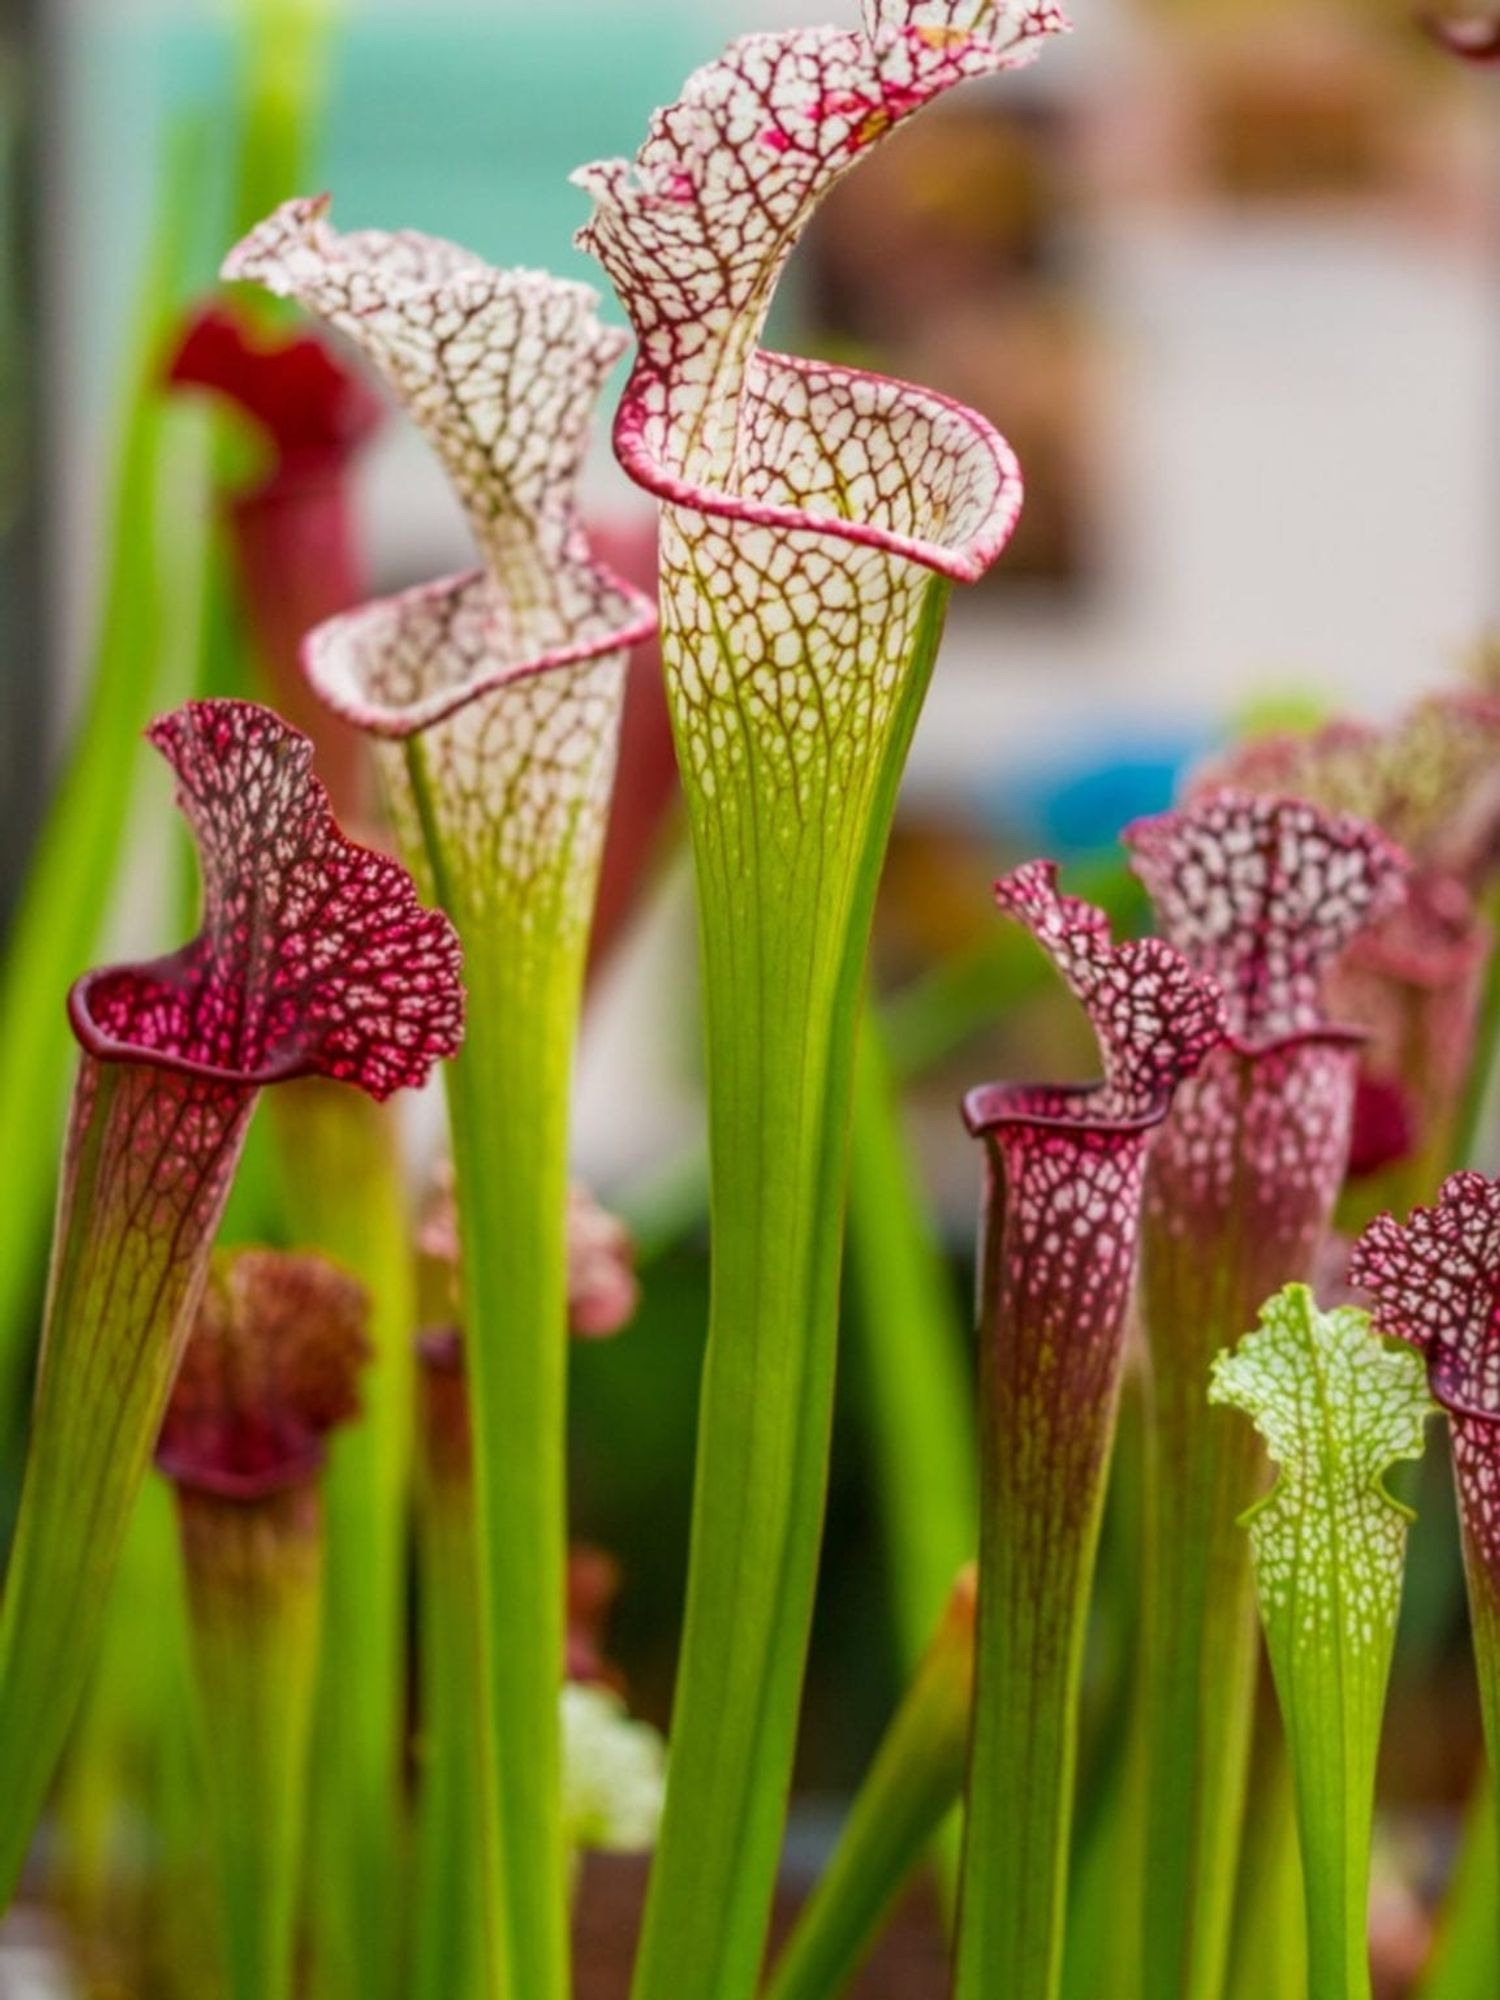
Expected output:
(1299, 460)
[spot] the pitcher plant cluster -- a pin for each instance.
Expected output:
(405, 1728)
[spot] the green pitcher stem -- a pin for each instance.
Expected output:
(1269, 1960)
(1333, 1776)
(913, 1785)
(508, 1100)
(451, 1913)
(282, 81)
(130, 1735)
(1201, 1649)
(120, 1303)
(1204, 1468)
(785, 928)
(1104, 1891)
(911, 1372)
(345, 1198)
(254, 1573)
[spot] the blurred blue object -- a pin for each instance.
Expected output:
(1078, 799)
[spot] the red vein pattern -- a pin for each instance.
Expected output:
(1412, 980)
(501, 371)
(1434, 1282)
(512, 677)
(810, 512)
(1263, 895)
(805, 501)
(1154, 1018)
(498, 697)
(1068, 1164)
(1430, 781)
(315, 957)
(271, 1366)
(517, 780)
(695, 234)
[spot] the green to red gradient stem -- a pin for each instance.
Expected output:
(908, 1792)
(1435, 1283)
(1046, 1438)
(785, 906)
(1478, 1442)
(1104, 1886)
(1063, 1174)
(254, 1572)
(1262, 895)
(1202, 1288)
(1023, 1757)
(1204, 1468)
(120, 1302)
(175, 1052)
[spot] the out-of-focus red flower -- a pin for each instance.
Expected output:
(1474, 38)
(271, 1366)
(292, 529)
(602, 1288)
(1412, 981)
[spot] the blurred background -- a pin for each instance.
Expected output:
(1228, 276)
(1224, 273)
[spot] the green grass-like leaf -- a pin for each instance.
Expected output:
(911, 1359)
(912, 1786)
(69, 887)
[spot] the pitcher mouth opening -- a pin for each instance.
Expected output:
(963, 561)
(336, 637)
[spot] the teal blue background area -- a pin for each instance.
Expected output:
(459, 121)
(470, 129)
